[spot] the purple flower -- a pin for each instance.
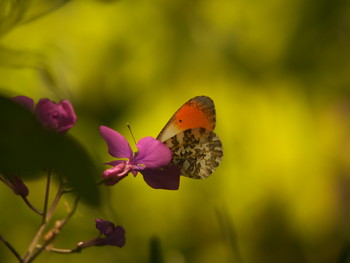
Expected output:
(114, 236)
(105, 227)
(16, 184)
(53, 116)
(151, 160)
(58, 117)
(26, 102)
(109, 235)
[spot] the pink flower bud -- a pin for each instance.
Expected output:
(58, 117)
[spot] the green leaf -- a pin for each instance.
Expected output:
(27, 149)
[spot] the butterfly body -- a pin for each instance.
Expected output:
(195, 148)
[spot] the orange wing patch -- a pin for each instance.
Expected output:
(194, 116)
(198, 112)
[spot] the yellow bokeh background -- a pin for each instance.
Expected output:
(278, 73)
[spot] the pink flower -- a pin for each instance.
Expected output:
(53, 116)
(59, 117)
(151, 160)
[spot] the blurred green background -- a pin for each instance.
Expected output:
(278, 72)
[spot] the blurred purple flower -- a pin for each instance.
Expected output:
(105, 227)
(25, 101)
(16, 184)
(114, 236)
(59, 117)
(109, 235)
(53, 116)
(150, 160)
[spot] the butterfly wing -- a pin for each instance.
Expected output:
(198, 112)
(197, 152)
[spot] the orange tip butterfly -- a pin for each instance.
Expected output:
(195, 148)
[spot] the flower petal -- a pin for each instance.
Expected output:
(105, 227)
(114, 180)
(116, 171)
(69, 118)
(168, 178)
(117, 238)
(115, 163)
(18, 186)
(118, 146)
(113, 236)
(25, 102)
(59, 117)
(115, 174)
(152, 153)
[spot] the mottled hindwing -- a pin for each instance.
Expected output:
(196, 151)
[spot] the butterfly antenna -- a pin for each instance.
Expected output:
(132, 135)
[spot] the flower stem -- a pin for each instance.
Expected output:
(23, 196)
(47, 194)
(55, 231)
(61, 250)
(10, 247)
(31, 206)
(54, 204)
(32, 245)
(46, 218)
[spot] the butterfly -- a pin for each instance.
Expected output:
(195, 148)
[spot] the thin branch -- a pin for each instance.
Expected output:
(62, 251)
(55, 201)
(55, 231)
(33, 243)
(43, 225)
(47, 195)
(10, 247)
(31, 206)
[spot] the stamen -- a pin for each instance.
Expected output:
(132, 135)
